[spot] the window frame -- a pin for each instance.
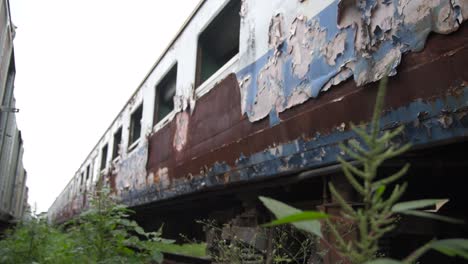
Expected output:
(205, 85)
(164, 80)
(82, 181)
(103, 164)
(88, 173)
(132, 144)
(116, 146)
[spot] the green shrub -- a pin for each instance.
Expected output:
(102, 234)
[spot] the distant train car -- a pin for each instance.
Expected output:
(13, 190)
(252, 97)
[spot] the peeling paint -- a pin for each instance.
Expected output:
(161, 178)
(270, 88)
(305, 40)
(445, 119)
(335, 48)
(371, 70)
(183, 102)
(298, 96)
(341, 127)
(276, 34)
(243, 84)
(180, 137)
(438, 13)
(344, 74)
(243, 9)
(383, 22)
(131, 172)
(461, 9)
(363, 40)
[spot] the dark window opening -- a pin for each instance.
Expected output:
(219, 42)
(117, 142)
(103, 157)
(165, 91)
(135, 125)
(88, 169)
(81, 181)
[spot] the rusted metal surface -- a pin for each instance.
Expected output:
(224, 147)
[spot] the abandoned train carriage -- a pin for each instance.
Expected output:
(252, 97)
(13, 189)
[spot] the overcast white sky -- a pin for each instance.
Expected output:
(77, 63)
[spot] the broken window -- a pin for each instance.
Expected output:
(219, 42)
(103, 157)
(135, 125)
(117, 142)
(165, 91)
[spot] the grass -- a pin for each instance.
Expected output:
(191, 249)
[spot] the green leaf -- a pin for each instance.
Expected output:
(140, 231)
(163, 240)
(133, 240)
(380, 190)
(299, 217)
(452, 247)
(417, 204)
(384, 261)
(281, 210)
(433, 216)
(157, 256)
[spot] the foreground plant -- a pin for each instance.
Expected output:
(377, 213)
(34, 241)
(103, 234)
(107, 235)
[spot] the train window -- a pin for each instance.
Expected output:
(103, 157)
(165, 91)
(135, 125)
(81, 181)
(219, 42)
(87, 172)
(117, 143)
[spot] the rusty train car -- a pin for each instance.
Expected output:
(253, 97)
